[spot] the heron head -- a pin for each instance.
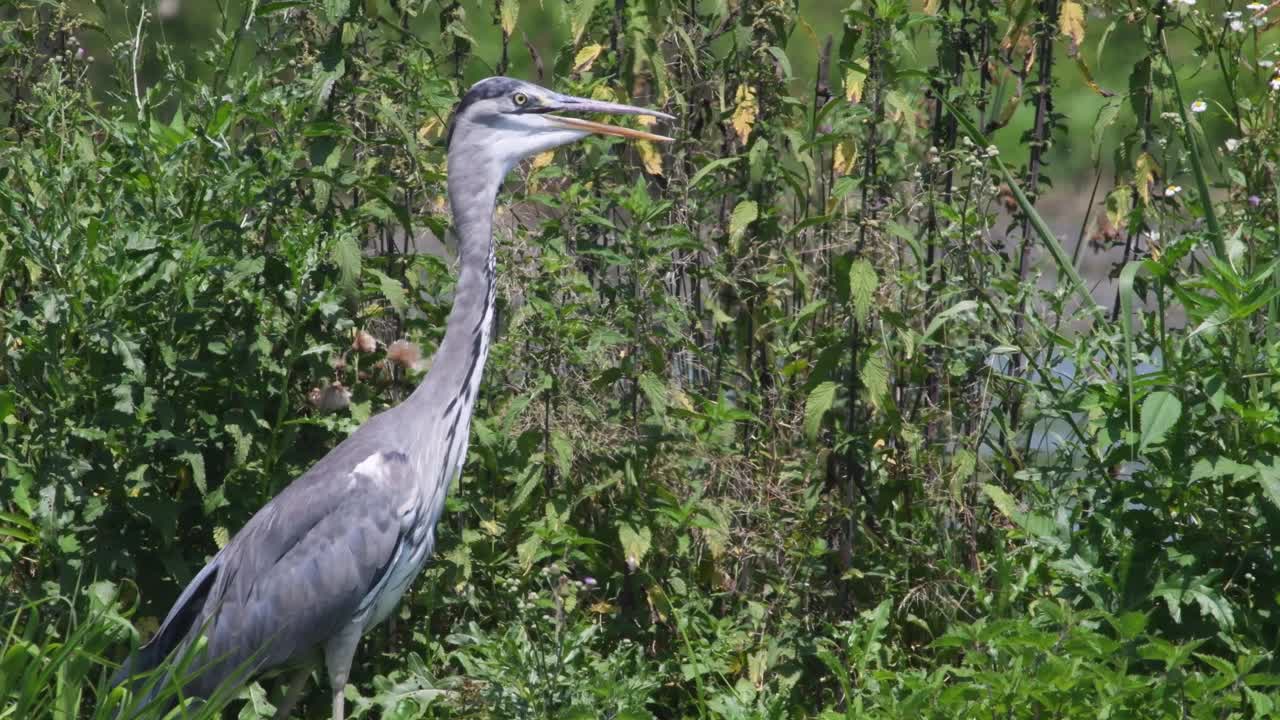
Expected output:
(501, 121)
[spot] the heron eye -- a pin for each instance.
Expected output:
(520, 98)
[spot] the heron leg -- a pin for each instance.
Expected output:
(297, 682)
(337, 660)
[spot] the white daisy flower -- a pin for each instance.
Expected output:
(1172, 190)
(1199, 106)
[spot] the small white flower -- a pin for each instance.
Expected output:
(1255, 7)
(1185, 3)
(1231, 15)
(1266, 63)
(992, 151)
(1172, 190)
(1237, 26)
(1232, 144)
(1199, 106)
(1275, 83)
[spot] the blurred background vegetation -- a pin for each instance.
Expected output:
(932, 370)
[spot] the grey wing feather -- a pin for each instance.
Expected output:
(300, 569)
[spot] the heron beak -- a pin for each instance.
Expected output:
(568, 103)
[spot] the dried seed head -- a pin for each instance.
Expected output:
(405, 354)
(363, 342)
(331, 398)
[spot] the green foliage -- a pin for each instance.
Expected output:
(810, 414)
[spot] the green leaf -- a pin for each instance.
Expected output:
(1179, 591)
(196, 460)
(1269, 479)
(743, 215)
(346, 255)
(1160, 412)
(391, 289)
(961, 307)
(875, 378)
(336, 10)
(655, 391)
(820, 400)
(529, 551)
(863, 282)
(635, 543)
(711, 167)
(1002, 500)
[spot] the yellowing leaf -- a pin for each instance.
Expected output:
(650, 157)
(542, 160)
(1145, 171)
(1119, 205)
(431, 127)
(509, 14)
(846, 156)
(745, 111)
(854, 81)
(1071, 24)
(586, 56)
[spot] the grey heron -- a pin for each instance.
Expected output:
(330, 556)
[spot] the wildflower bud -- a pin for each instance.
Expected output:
(405, 354)
(329, 399)
(363, 342)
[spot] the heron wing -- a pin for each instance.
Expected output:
(300, 569)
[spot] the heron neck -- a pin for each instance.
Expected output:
(454, 378)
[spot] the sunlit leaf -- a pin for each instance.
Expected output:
(586, 57)
(1160, 412)
(743, 215)
(855, 78)
(635, 543)
(816, 406)
(509, 15)
(863, 282)
(1071, 24)
(649, 156)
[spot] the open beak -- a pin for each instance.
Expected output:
(568, 103)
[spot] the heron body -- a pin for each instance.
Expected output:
(331, 555)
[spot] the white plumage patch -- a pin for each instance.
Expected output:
(372, 469)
